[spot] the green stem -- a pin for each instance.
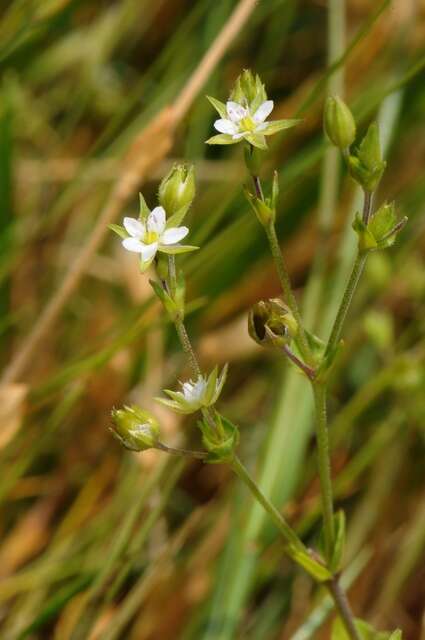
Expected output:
(346, 300)
(280, 522)
(352, 281)
(285, 283)
(324, 466)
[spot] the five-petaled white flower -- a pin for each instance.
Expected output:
(241, 123)
(204, 391)
(146, 238)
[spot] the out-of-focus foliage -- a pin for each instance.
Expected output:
(98, 542)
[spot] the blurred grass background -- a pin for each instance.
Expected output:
(96, 542)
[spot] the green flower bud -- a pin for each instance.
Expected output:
(248, 90)
(270, 322)
(339, 123)
(177, 189)
(366, 165)
(136, 429)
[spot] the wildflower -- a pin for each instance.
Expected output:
(148, 236)
(243, 117)
(136, 429)
(196, 394)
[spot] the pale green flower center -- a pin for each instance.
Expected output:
(150, 237)
(247, 124)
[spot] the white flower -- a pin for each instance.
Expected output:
(241, 123)
(146, 238)
(195, 394)
(194, 391)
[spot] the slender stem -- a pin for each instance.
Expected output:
(324, 467)
(287, 532)
(285, 283)
(187, 347)
(346, 300)
(343, 607)
(178, 451)
(309, 371)
(352, 282)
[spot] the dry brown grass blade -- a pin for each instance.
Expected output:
(146, 152)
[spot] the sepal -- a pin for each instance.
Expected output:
(221, 441)
(366, 165)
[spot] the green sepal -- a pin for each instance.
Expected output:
(263, 210)
(174, 249)
(167, 301)
(144, 266)
(365, 631)
(339, 542)
(366, 241)
(211, 386)
(275, 191)
(256, 139)
(317, 346)
(274, 126)
(222, 138)
(144, 210)
(119, 230)
(221, 442)
(177, 218)
(249, 91)
(327, 362)
(220, 107)
(366, 165)
(317, 570)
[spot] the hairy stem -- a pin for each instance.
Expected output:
(324, 466)
(353, 281)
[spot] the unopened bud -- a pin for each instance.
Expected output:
(136, 429)
(177, 189)
(249, 90)
(366, 165)
(339, 123)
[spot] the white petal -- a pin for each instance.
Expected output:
(173, 235)
(235, 111)
(263, 111)
(134, 227)
(156, 220)
(133, 244)
(261, 126)
(148, 251)
(238, 136)
(225, 126)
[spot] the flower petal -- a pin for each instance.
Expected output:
(238, 136)
(263, 111)
(225, 126)
(156, 220)
(148, 251)
(173, 235)
(235, 111)
(134, 228)
(133, 244)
